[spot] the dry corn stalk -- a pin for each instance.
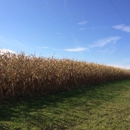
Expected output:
(24, 75)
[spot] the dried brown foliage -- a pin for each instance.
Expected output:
(24, 75)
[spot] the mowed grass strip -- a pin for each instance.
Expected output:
(99, 107)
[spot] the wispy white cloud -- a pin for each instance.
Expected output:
(19, 43)
(103, 42)
(82, 23)
(44, 47)
(98, 43)
(94, 28)
(111, 51)
(78, 49)
(120, 66)
(107, 51)
(122, 27)
(11, 42)
(3, 39)
(2, 51)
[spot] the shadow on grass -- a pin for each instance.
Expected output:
(56, 104)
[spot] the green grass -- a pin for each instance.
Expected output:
(99, 107)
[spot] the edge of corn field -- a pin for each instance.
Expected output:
(22, 75)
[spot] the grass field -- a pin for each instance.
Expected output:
(99, 107)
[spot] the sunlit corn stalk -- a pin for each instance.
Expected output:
(22, 75)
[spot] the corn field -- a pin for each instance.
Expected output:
(22, 75)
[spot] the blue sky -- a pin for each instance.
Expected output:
(85, 30)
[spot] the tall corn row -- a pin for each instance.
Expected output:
(25, 75)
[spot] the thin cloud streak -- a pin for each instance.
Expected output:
(103, 42)
(94, 28)
(11, 42)
(122, 27)
(21, 44)
(3, 39)
(82, 23)
(107, 51)
(45, 47)
(78, 49)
